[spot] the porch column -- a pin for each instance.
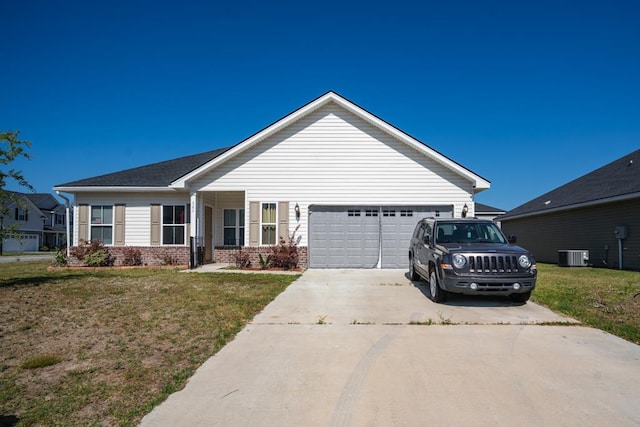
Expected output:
(193, 229)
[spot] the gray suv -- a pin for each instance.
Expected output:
(470, 256)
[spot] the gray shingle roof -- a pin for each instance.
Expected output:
(154, 175)
(619, 178)
(480, 207)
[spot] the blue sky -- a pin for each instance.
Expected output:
(529, 95)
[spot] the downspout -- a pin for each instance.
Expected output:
(67, 221)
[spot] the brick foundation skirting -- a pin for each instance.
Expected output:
(179, 255)
(150, 255)
(225, 254)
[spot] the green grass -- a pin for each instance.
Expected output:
(601, 298)
(103, 347)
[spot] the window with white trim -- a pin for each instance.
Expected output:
(102, 224)
(268, 223)
(173, 224)
(22, 214)
(233, 224)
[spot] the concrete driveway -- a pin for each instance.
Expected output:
(368, 348)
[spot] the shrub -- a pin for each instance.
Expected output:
(285, 253)
(60, 258)
(169, 259)
(131, 256)
(93, 254)
(242, 259)
(264, 263)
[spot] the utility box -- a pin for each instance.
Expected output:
(573, 258)
(621, 232)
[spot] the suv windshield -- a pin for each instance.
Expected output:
(465, 232)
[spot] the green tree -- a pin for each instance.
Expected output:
(11, 148)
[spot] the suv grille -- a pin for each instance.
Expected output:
(493, 264)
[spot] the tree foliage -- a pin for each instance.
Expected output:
(11, 148)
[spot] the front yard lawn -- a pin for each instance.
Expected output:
(103, 347)
(602, 298)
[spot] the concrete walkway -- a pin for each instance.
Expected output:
(367, 348)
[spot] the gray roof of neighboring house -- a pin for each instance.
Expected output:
(617, 179)
(486, 209)
(160, 174)
(43, 201)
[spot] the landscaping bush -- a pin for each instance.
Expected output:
(93, 254)
(242, 259)
(131, 257)
(60, 258)
(285, 253)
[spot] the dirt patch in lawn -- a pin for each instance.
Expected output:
(104, 347)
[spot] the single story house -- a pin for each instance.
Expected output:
(39, 220)
(597, 212)
(348, 184)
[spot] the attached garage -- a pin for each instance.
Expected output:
(23, 243)
(364, 236)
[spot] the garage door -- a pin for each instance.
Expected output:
(343, 237)
(24, 243)
(364, 236)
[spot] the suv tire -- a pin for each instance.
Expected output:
(520, 297)
(437, 293)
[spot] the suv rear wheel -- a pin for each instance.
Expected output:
(437, 293)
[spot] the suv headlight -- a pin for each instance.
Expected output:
(459, 261)
(524, 261)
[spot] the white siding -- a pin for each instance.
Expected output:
(331, 156)
(137, 211)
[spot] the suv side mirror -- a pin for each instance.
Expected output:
(427, 239)
(512, 239)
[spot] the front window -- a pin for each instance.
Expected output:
(173, 224)
(462, 232)
(60, 219)
(268, 217)
(102, 224)
(233, 227)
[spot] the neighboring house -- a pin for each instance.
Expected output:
(350, 185)
(488, 212)
(40, 221)
(589, 213)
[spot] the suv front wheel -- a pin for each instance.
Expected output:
(437, 293)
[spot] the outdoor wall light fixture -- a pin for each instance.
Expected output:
(465, 210)
(297, 211)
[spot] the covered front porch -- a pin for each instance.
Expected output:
(223, 230)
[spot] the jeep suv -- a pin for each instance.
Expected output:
(470, 256)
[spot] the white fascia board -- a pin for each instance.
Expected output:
(479, 183)
(113, 189)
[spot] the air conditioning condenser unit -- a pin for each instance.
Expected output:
(573, 258)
